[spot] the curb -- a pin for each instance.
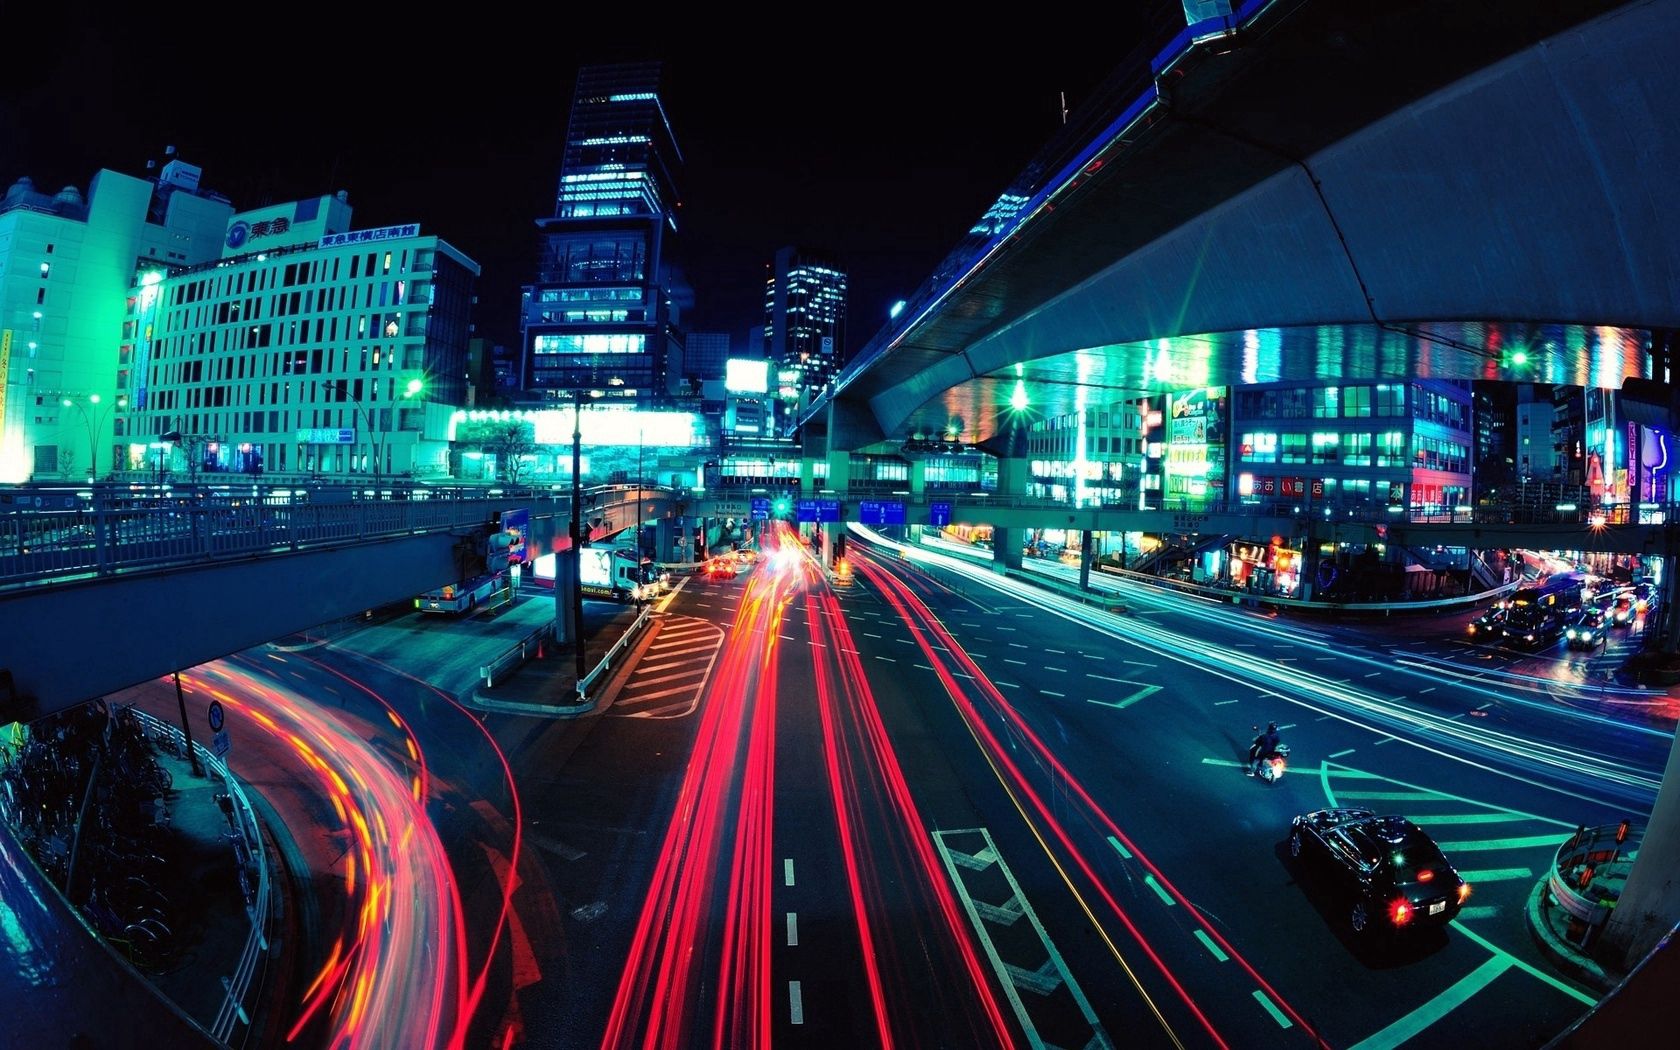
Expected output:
(1564, 956)
(515, 707)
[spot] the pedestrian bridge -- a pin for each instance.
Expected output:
(114, 590)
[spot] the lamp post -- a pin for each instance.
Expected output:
(412, 389)
(577, 528)
(94, 423)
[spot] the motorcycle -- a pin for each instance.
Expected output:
(1272, 762)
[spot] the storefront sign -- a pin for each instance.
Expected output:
(384, 233)
(327, 436)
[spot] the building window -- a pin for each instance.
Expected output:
(1356, 402)
(1325, 401)
(1325, 446)
(1390, 399)
(1260, 447)
(1294, 448)
(594, 343)
(1391, 447)
(1356, 450)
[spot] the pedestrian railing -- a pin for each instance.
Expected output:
(1589, 870)
(589, 680)
(237, 984)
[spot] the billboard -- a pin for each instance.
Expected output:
(746, 375)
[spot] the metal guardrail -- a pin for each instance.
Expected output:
(1584, 856)
(606, 662)
(516, 655)
(1224, 593)
(238, 984)
(118, 530)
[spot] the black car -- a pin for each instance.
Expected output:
(1387, 872)
(1488, 624)
(1589, 630)
(1533, 628)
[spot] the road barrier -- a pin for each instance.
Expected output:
(1588, 873)
(589, 680)
(238, 984)
(516, 655)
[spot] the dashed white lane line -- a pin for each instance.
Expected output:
(796, 1004)
(1106, 678)
(787, 871)
(1385, 740)
(888, 659)
(787, 638)
(1207, 942)
(1093, 656)
(1008, 685)
(1340, 754)
(1431, 689)
(1006, 628)
(1058, 652)
(1374, 674)
(866, 634)
(1017, 663)
(1059, 696)
(924, 667)
(793, 928)
(1018, 645)
(904, 641)
(1139, 663)
(1216, 703)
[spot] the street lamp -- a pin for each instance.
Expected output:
(577, 526)
(411, 389)
(94, 423)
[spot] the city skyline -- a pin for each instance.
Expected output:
(946, 126)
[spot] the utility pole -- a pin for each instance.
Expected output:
(577, 531)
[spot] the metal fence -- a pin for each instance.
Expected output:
(237, 984)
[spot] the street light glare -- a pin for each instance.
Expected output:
(415, 386)
(94, 398)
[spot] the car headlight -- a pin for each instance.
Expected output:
(1528, 638)
(1572, 632)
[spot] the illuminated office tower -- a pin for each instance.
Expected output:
(601, 314)
(804, 326)
(67, 266)
(308, 349)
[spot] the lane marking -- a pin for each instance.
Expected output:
(670, 677)
(1139, 663)
(1104, 677)
(1325, 659)
(1385, 740)
(924, 667)
(787, 637)
(793, 928)
(888, 659)
(1207, 942)
(1222, 703)
(796, 1003)
(1431, 689)
(1093, 656)
(787, 872)
(1166, 898)
(866, 634)
(1059, 696)
(1495, 874)
(1009, 685)
(1143, 692)
(1058, 670)
(1119, 848)
(1472, 818)
(1017, 663)
(1393, 796)
(1019, 645)
(1478, 911)
(1374, 674)
(1432, 1011)
(1058, 652)
(1349, 751)
(1277, 1015)
(1578, 996)
(1518, 842)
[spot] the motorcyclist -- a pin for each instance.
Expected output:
(1265, 746)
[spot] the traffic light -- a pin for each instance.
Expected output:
(498, 552)
(782, 506)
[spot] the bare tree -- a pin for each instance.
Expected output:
(513, 442)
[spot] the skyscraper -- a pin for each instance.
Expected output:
(804, 325)
(600, 314)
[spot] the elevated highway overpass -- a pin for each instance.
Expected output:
(113, 593)
(1297, 192)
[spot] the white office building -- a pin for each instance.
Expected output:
(67, 265)
(308, 349)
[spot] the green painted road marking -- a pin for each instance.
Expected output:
(1471, 818)
(1495, 874)
(1118, 848)
(1307, 771)
(1519, 842)
(1345, 771)
(1393, 796)
(1207, 942)
(1277, 1015)
(1436, 1008)
(1573, 993)
(1149, 880)
(1478, 911)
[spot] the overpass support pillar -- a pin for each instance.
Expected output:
(918, 480)
(1006, 549)
(1013, 476)
(839, 471)
(664, 540)
(565, 579)
(1649, 905)
(1085, 560)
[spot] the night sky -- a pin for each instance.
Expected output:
(877, 147)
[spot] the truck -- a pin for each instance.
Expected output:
(614, 573)
(463, 597)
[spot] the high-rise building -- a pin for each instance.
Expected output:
(804, 325)
(308, 349)
(601, 314)
(67, 271)
(1535, 452)
(705, 355)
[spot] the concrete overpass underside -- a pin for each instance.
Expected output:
(1327, 194)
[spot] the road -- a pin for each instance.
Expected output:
(934, 806)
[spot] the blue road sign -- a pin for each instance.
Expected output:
(761, 508)
(939, 514)
(874, 512)
(816, 510)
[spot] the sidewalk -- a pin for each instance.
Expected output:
(547, 684)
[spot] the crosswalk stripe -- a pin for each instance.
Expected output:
(638, 680)
(656, 695)
(1392, 796)
(1496, 874)
(1467, 818)
(656, 668)
(1520, 842)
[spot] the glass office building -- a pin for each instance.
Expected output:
(804, 325)
(600, 315)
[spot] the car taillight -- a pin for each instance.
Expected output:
(1400, 912)
(1463, 892)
